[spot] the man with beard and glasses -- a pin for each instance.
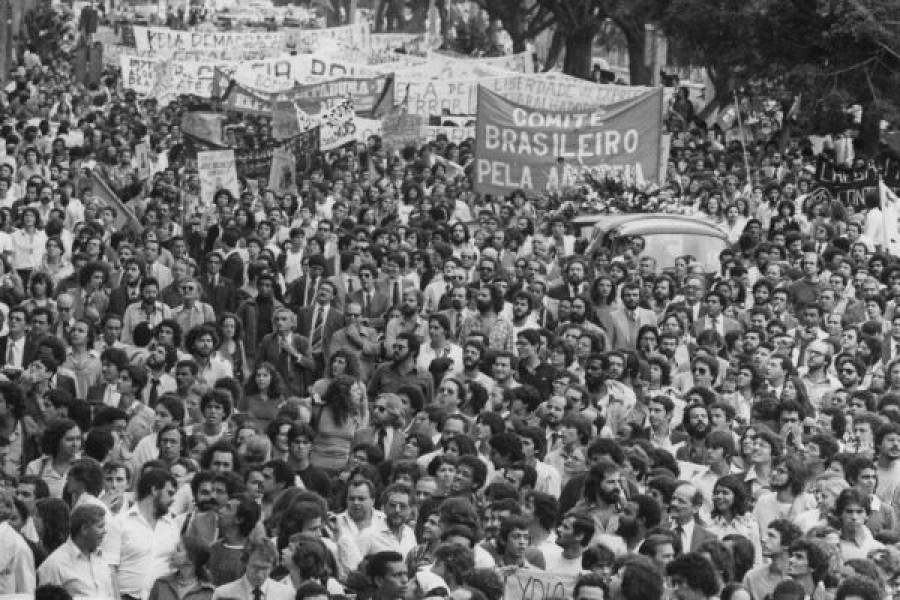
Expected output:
(147, 537)
(409, 322)
(147, 310)
(623, 324)
(612, 398)
(459, 310)
(787, 498)
(696, 425)
(201, 342)
(499, 331)
(639, 515)
(683, 510)
(390, 377)
(575, 283)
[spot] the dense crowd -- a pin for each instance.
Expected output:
(388, 385)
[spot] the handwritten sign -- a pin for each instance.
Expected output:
(217, 171)
(400, 130)
(338, 125)
(528, 584)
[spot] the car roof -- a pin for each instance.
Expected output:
(683, 226)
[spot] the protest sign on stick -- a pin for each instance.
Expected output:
(531, 584)
(217, 172)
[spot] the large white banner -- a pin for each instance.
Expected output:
(282, 73)
(217, 171)
(543, 91)
(312, 40)
(166, 43)
(167, 79)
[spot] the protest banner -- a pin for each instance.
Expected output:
(372, 96)
(454, 135)
(365, 128)
(125, 219)
(532, 584)
(282, 73)
(400, 129)
(520, 147)
(283, 173)
(288, 120)
(138, 73)
(517, 63)
(142, 160)
(217, 171)
(166, 43)
(548, 92)
(311, 40)
(203, 125)
(255, 154)
(338, 125)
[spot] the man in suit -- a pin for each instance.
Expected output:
(693, 291)
(16, 344)
(318, 322)
(575, 284)
(373, 301)
(258, 559)
(233, 267)
(385, 430)
(346, 280)
(623, 324)
(684, 510)
(218, 291)
(288, 351)
(302, 292)
(458, 311)
(356, 339)
(714, 304)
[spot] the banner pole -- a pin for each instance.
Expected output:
(737, 110)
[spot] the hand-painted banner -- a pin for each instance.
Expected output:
(207, 44)
(255, 160)
(454, 135)
(283, 73)
(311, 40)
(166, 79)
(548, 92)
(206, 126)
(522, 62)
(138, 74)
(372, 96)
(338, 126)
(401, 129)
(522, 147)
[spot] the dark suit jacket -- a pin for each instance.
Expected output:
(558, 292)
(379, 305)
(730, 325)
(700, 536)
(223, 297)
(297, 375)
(118, 301)
(233, 269)
(367, 435)
(334, 320)
(30, 351)
(298, 292)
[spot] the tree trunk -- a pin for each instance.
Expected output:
(514, 28)
(579, 46)
(556, 47)
(638, 71)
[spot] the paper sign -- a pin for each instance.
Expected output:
(530, 584)
(217, 171)
(400, 130)
(142, 160)
(338, 125)
(283, 176)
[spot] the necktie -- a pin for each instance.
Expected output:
(311, 291)
(395, 293)
(154, 392)
(367, 299)
(10, 353)
(382, 437)
(316, 337)
(350, 285)
(257, 594)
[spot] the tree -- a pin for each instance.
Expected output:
(578, 22)
(522, 19)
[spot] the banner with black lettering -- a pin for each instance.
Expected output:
(532, 584)
(520, 147)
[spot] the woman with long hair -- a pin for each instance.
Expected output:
(54, 263)
(731, 512)
(604, 294)
(341, 416)
(263, 394)
(190, 579)
(231, 344)
(61, 445)
(341, 362)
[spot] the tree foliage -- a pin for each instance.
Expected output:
(522, 19)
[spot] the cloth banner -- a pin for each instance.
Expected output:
(204, 125)
(289, 120)
(284, 72)
(549, 92)
(102, 191)
(167, 79)
(521, 147)
(217, 171)
(518, 63)
(839, 177)
(311, 40)
(138, 73)
(531, 584)
(454, 135)
(166, 43)
(338, 125)
(255, 160)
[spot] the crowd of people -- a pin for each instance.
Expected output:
(388, 385)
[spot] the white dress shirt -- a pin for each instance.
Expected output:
(142, 553)
(16, 563)
(86, 575)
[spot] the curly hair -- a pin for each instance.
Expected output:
(337, 398)
(54, 434)
(697, 572)
(276, 386)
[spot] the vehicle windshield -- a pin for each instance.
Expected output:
(666, 247)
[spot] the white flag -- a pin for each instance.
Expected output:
(890, 211)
